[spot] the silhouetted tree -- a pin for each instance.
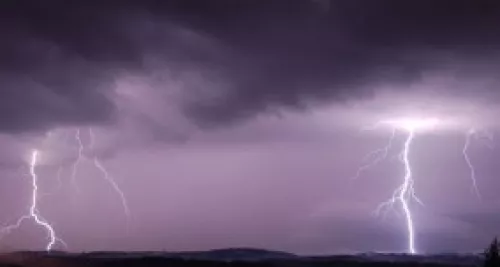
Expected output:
(491, 255)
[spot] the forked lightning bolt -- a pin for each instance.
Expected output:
(34, 213)
(405, 192)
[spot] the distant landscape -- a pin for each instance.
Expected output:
(231, 257)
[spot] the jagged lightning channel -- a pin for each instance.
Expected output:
(375, 156)
(472, 170)
(108, 177)
(479, 134)
(99, 166)
(113, 184)
(405, 192)
(408, 190)
(78, 160)
(34, 213)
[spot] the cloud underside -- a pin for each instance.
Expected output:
(60, 60)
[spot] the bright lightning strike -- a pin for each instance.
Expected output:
(405, 192)
(33, 209)
(34, 214)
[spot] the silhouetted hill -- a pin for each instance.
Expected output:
(229, 254)
(237, 254)
(232, 257)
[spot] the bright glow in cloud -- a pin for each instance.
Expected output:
(413, 124)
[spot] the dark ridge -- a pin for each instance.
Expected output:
(237, 257)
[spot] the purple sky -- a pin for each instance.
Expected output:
(239, 124)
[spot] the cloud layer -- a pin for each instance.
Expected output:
(61, 60)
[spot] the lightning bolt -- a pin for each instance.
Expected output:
(404, 193)
(406, 190)
(377, 155)
(99, 166)
(485, 134)
(34, 214)
(78, 160)
(59, 180)
(478, 134)
(472, 170)
(113, 184)
(33, 209)
(109, 178)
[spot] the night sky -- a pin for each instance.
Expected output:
(241, 123)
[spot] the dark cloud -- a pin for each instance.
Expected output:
(305, 57)
(60, 58)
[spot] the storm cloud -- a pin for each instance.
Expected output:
(61, 59)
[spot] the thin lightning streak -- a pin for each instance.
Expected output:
(108, 177)
(485, 134)
(78, 160)
(59, 180)
(115, 186)
(92, 138)
(380, 154)
(405, 191)
(99, 166)
(472, 171)
(5, 230)
(33, 209)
